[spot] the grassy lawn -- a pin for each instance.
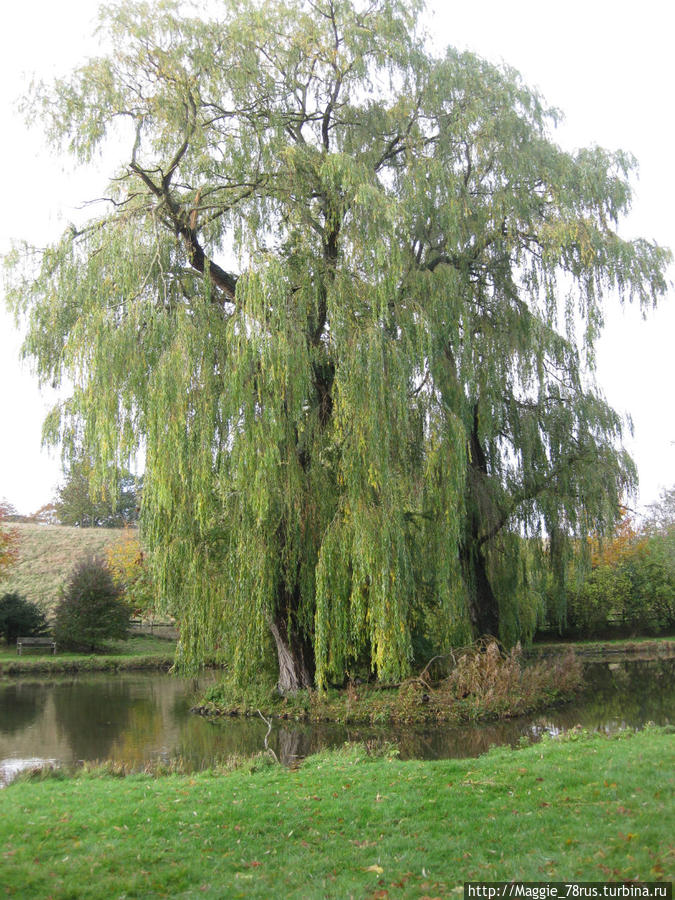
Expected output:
(141, 651)
(348, 825)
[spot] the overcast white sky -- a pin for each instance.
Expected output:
(608, 64)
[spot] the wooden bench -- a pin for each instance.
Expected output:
(35, 642)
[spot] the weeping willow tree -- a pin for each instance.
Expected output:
(343, 295)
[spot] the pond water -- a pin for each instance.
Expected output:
(138, 718)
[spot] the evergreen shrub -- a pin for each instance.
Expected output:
(20, 617)
(92, 610)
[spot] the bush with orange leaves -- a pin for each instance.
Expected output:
(8, 543)
(631, 585)
(130, 571)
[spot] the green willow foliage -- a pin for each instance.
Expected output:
(354, 415)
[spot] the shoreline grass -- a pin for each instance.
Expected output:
(581, 808)
(483, 684)
(138, 652)
(597, 648)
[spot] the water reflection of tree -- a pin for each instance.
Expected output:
(20, 705)
(204, 742)
(100, 718)
(631, 692)
(143, 732)
(188, 696)
(91, 716)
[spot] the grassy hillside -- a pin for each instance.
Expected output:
(47, 553)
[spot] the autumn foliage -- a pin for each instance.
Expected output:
(128, 566)
(8, 543)
(623, 543)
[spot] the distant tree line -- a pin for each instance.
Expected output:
(79, 501)
(630, 587)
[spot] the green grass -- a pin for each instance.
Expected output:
(346, 825)
(47, 554)
(140, 652)
(592, 646)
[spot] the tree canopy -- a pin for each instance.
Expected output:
(344, 294)
(92, 610)
(84, 502)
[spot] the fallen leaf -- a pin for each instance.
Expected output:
(375, 868)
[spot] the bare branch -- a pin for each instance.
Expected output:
(268, 722)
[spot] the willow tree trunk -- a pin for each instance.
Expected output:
(296, 661)
(483, 604)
